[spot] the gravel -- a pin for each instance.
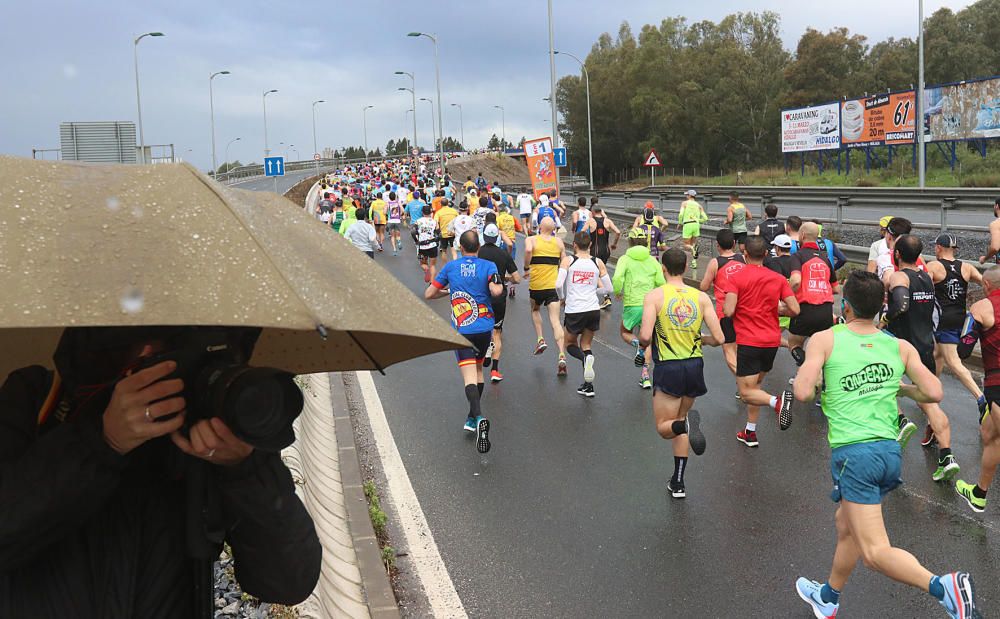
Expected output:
(230, 603)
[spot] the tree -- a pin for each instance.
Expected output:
(452, 145)
(826, 67)
(494, 142)
(226, 167)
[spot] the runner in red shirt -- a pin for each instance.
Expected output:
(717, 275)
(814, 282)
(753, 304)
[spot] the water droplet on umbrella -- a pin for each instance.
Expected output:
(132, 300)
(113, 204)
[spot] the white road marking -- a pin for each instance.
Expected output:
(430, 568)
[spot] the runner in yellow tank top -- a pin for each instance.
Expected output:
(542, 254)
(672, 316)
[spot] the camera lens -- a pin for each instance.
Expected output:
(258, 405)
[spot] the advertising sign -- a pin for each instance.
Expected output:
(541, 166)
(810, 128)
(885, 119)
(963, 111)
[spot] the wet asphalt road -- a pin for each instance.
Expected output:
(285, 182)
(568, 516)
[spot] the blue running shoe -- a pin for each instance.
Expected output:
(959, 596)
(482, 435)
(470, 425)
(808, 590)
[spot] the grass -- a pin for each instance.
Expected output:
(379, 521)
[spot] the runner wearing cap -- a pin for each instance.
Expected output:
(648, 217)
(507, 269)
(581, 281)
(636, 274)
(993, 251)
(951, 287)
(781, 262)
(652, 226)
(689, 220)
(878, 247)
(737, 218)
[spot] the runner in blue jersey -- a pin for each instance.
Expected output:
(471, 283)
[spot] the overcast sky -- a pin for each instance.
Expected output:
(72, 61)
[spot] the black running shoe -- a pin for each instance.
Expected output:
(482, 435)
(695, 436)
(799, 355)
(784, 409)
(676, 491)
(586, 390)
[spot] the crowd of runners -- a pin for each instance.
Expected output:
(774, 288)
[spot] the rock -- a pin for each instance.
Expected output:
(220, 602)
(232, 609)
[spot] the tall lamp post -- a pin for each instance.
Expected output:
(138, 97)
(918, 122)
(461, 122)
(434, 129)
(364, 123)
(503, 127)
(552, 89)
(590, 138)
(413, 93)
(227, 153)
(267, 151)
(437, 76)
(315, 148)
(211, 105)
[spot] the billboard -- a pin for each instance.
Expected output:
(541, 166)
(963, 111)
(810, 128)
(885, 119)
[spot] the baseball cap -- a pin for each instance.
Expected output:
(491, 233)
(884, 222)
(782, 240)
(947, 240)
(637, 233)
(691, 192)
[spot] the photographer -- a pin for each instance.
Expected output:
(94, 504)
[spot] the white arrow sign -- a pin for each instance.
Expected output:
(653, 160)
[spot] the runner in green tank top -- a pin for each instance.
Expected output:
(737, 217)
(861, 370)
(689, 220)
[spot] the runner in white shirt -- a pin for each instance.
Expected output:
(581, 279)
(460, 225)
(525, 206)
(426, 235)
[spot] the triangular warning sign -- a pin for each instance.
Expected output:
(652, 160)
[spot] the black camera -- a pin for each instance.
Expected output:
(257, 404)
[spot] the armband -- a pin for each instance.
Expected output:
(970, 333)
(899, 301)
(495, 279)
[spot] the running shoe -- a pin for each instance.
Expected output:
(738, 396)
(540, 346)
(906, 431)
(675, 491)
(606, 303)
(470, 425)
(929, 438)
(959, 596)
(695, 436)
(495, 376)
(561, 367)
(809, 590)
(510, 291)
(588, 369)
(964, 490)
(747, 437)
(644, 381)
(947, 468)
(482, 435)
(791, 381)
(488, 359)
(798, 355)
(586, 390)
(640, 355)
(784, 409)
(694, 264)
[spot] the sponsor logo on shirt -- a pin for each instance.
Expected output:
(868, 378)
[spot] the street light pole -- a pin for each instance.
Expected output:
(918, 121)
(267, 151)
(364, 122)
(434, 129)
(211, 105)
(437, 76)
(138, 96)
(413, 92)
(590, 137)
(315, 147)
(552, 88)
(503, 127)
(461, 123)
(227, 152)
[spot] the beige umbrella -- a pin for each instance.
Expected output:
(121, 245)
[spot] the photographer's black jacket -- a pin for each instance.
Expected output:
(85, 532)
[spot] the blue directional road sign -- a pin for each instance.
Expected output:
(274, 166)
(559, 154)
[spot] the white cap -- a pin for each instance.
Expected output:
(783, 241)
(691, 192)
(544, 198)
(490, 233)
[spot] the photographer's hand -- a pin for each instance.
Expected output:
(131, 417)
(213, 441)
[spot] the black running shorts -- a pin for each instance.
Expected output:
(752, 360)
(681, 378)
(544, 297)
(741, 237)
(447, 242)
(428, 253)
(480, 342)
(811, 319)
(728, 330)
(576, 323)
(499, 312)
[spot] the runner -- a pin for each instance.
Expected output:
(993, 250)
(912, 316)
(360, 233)
(427, 235)
(580, 282)
(379, 212)
(814, 282)
(547, 208)
(444, 218)
(525, 206)
(951, 287)
(507, 269)
(479, 214)
(649, 217)
(395, 223)
(689, 220)
(652, 226)
(672, 316)
(582, 217)
(753, 304)
(737, 217)
(460, 225)
(981, 324)
(472, 283)
(861, 369)
(415, 208)
(602, 244)
(781, 263)
(792, 225)
(509, 226)
(771, 226)
(878, 247)
(636, 274)
(717, 274)
(542, 255)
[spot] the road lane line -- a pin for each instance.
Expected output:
(430, 568)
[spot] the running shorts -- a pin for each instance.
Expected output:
(576, 323)
(428, 253)
(865, 472)
(499, 312)
(691, 230)
(811, 319)
(544, 297)
(447, 242)
(631, 316)
(604, 256)
(680, 378)
(992, 394)
(477, 352)
(728, 330)
(947, 336)
(752, 360)
(741, 237)
(393, 226)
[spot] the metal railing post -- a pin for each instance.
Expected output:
(946, 203)
(625, 197)
(842, 202)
